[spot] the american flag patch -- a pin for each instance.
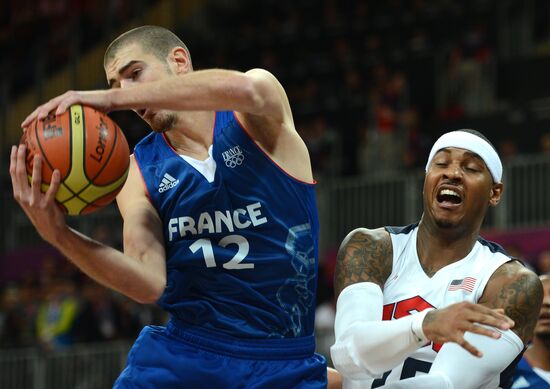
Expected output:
(466, 284)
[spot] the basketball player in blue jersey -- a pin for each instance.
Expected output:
(433, 305)
(220, 221)
(533, 371)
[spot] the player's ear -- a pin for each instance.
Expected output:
(180, 60)
(496, 193)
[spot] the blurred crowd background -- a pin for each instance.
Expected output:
(372, 84)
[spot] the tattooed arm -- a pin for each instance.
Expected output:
(519, 292)
(365, 345)
(364, 256)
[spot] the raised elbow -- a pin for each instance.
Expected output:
(251, 94)
(152, 293)
(348, 364)
(147, 298)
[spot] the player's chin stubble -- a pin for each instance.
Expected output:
(544, 336)
(163, 122)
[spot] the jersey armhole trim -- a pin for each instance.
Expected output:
(147, 194)
(269, 157)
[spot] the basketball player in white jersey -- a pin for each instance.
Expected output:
(533, 371)
(433, 305)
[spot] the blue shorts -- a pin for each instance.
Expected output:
(173, 357)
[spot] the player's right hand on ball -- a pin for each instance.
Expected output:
(449, 324)
(40, 207)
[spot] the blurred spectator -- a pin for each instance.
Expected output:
(515, 251)
(49, 268)
(544, 143)
(507, 149)
(10, 318)
(107, 234)
(132, 317)
(417, 142)
(543, 262)
(29, 302)
(56, 314)
(384, 139)
(533, 370)
(323, 143)
(96, 318)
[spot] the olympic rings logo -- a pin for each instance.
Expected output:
(234, 160)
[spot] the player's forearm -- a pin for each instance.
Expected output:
(375, 347)
(365, 345)
(203, 90)
(431, 381)
(454, 367)
(112, 268)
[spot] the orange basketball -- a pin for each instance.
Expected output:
(89, 150)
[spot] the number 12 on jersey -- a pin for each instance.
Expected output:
(234, 263)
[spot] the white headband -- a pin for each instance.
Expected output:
(469, 141)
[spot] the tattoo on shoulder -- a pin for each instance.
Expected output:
(363, 256)
(520, 295)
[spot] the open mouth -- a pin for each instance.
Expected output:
(449, 197)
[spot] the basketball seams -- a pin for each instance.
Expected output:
(70, 167)
(122, 178)
(90, 181)
(42, 152)
(69, 171)
(79, 194)
(90, 207)
(114, 191)
(105, 164)
(115, 144)
(84, 131)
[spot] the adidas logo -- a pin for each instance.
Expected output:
(168, 182)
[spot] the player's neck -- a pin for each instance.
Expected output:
(192, 134)
(437, 250)
(538, 355)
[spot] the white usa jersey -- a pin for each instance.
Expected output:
(408, 290)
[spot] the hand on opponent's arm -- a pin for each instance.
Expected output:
(450, 323)
(512, 289)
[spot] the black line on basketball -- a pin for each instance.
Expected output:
(70, 154)
(84, 128)
(44, 156)
(90, 182)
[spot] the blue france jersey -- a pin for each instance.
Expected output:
(241, 250)
(526, 377)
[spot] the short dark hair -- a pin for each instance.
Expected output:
(156, 40)
(479, 134)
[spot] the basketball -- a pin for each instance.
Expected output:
(88, 149)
